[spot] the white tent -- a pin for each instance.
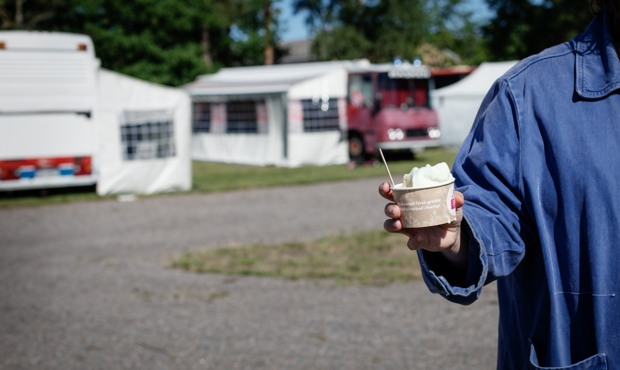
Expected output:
(458, 104)
(144, 136)
(281, 97)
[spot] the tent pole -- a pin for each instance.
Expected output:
(284, 104)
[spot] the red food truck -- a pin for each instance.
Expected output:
(389, 108)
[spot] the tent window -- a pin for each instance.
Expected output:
(241, 117)
(149, 140)
(320, 115)
(202, 117)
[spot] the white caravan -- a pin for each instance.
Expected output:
(48, 94)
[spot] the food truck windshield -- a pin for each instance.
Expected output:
(403, 93)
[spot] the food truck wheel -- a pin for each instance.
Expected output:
(356, 149)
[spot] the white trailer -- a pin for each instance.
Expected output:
(48, 95)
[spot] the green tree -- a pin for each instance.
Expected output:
(165, 41)
(27, 14)
(254, 30)
(524, 27)
(382, 30)
(319, 13)
(377, 30)
(457, 32)
(344, 42)
(155, 40)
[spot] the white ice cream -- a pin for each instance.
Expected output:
(428, 176)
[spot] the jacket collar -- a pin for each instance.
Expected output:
(597, 65)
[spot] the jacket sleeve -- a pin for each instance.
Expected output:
(488, 173)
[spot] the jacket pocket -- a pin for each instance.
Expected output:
(596, 362)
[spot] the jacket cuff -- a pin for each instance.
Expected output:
(462, 286)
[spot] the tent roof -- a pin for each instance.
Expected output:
(265, 79)
(478, 82)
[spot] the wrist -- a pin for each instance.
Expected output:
(457, 253)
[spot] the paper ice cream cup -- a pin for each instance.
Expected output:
(424, 207)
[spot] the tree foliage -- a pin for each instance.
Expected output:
(164, 41)
(173, 41)
(381, 30)
(524, 27)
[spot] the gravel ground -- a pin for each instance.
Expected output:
(87, 286)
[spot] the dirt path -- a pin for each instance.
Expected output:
(86, 286)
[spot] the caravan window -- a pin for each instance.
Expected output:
(201, 121)
(320, 115)
(241, 117)
(147, 135)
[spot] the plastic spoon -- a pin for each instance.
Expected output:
(386, 167)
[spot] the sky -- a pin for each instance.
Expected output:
(296, 29)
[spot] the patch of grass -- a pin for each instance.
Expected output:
(374, 258)
(210, 177)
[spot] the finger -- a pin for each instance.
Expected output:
(459, 199)
(392, 210)
(393, 226)
(386, 191)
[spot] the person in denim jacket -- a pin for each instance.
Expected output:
(538, 209)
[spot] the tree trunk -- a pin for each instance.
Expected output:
(19, 14)
(268, 39)
(206, 47)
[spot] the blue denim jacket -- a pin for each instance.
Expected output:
(540, 172)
